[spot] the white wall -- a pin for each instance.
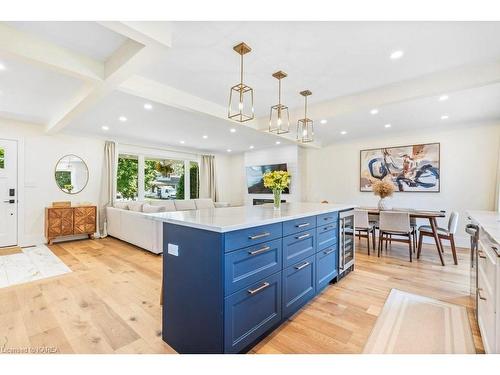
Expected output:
(469, 158)
(39, 156)
(230, 174)
(275, 155)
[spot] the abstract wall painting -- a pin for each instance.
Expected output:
(412, 168)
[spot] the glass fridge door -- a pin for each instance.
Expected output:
(348, 240)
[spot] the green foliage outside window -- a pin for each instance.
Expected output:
(2, 158)
(193, 183)
(63, 179)
(126, 179)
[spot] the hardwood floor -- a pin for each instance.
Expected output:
(110, 302)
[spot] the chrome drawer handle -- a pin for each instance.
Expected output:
(479, 290)
(302, 266)
(328, 218)
(303, 225)
(257, 290)
(481, 254)
(328, 227)
(265, 234)
(260, 251)
(328, 252)
(303, 236)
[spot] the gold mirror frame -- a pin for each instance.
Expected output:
(70, 192)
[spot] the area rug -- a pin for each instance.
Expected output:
(29, 264)
(413, 324)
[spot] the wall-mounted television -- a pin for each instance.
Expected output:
(255, 183)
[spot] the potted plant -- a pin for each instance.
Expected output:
(383, 189)
(277, 181)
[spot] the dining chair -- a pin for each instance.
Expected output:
(443, 233)
(393, 225)
(364, 227)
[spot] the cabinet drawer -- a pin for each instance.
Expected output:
(250, 312)
(298, 285)
(298, 247)
(331, 217)
(249, 265)
(326, 266)
(486, 315)
(299, 225)
(487, 265)
(327, 236)
(252, 236)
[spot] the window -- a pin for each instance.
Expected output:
(163, 179)
(194, 178)
(156, 177)
(127, 177)
(2, 158)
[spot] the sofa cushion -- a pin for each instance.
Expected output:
(149, 209)
(121, 205)
(204, 203)
(135, 206)
(169, 205)
(184, 205)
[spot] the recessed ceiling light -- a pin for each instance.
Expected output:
(442, 98)
(182, 142)
(229, 150)
(2, 66)
(445, 117)
(205, 136)
(105, 127)
(251, 147)
(387, 125)
(323, 121)
(374, 111)
(396, 55)
(148, 106)
(278, 142)
(343, 132)
(232, 130)
(122, 118)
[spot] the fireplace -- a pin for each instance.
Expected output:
(259, 201)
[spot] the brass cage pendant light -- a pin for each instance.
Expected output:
(305, 126)
(279, 119)
(241, 96)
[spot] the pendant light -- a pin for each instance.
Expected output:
(305, 130)
(241, 96)
(279, 119)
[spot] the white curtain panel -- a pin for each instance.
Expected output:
(497, 190)
(208, 184)
(107, 185)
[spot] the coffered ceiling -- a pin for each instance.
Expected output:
(81, 76)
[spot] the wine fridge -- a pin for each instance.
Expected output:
(346, 242)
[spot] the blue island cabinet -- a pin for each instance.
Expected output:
(223, 292)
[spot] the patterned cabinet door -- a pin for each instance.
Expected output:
(60, 222)
(85, 220)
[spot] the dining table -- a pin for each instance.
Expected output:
(418, 214)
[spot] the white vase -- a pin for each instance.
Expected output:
(384, 204)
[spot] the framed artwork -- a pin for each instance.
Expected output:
(412, 168)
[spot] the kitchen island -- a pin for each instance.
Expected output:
(487, 277)
(232, 275)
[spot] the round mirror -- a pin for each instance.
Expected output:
(71, 174)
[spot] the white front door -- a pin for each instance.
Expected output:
(8, 193)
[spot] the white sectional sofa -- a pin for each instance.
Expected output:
(128, 221)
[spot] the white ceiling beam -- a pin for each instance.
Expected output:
(125, 62)
(435, 84)
(149, 33)
(28, 47)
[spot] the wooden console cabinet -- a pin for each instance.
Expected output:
(67, 221)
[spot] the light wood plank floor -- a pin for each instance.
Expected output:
(109, 303)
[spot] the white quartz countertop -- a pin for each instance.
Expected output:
(233, 218)
(489, 221)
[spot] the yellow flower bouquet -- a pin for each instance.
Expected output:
(277, 181)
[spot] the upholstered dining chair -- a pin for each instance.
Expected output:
(364, 227)
(443, 233)
(392, 225)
